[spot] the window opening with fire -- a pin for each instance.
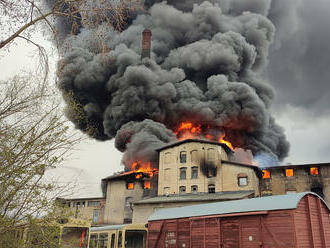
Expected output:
(289, 172)
(314, 171)
(130, 186)
(265, 174)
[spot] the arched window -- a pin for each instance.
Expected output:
(211, 188)
(194, 172)
(183, 173)
(182, 189)
(183, 157)
(194, 189)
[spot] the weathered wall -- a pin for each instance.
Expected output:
(301, 181)
(197, 155)
(115, 209)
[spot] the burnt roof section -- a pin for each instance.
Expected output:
(224, 146)
(124, 175)
(294, 166)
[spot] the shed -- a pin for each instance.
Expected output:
(283, 221)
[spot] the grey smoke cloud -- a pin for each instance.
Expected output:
(205, 67)
(299, 58)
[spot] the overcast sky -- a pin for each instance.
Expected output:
(299, 71)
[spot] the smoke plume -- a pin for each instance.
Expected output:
(205, 67)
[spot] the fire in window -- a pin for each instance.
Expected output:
(183, 157)
(314, 171)
(265, 174)
(130, 186)
(146, 185)
(289, 172)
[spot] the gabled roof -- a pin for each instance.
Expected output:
(224, 146)
(278, 202)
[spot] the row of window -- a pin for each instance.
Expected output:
(83, 204)
(183, 172)
(131, 186)
(313, 171)
(210, 155)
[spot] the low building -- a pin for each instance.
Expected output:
(90, 209)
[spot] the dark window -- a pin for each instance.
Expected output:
(113, 237)
(103, 240)
(211, 188)
(194, 172)
(96, 214)
(183, 157)
(93, 241)
(183, 173)
(194, 189)
(120, 237)
(94, 203)
(182, 189)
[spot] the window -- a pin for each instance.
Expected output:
(94, 203)
(96, 214)
(103, 240)
(289, 172)
(194, 189)
(265, 174)
(194, 156)
(182, 189)
(168, 158)
(183, 157)
(120, 237)
(113, 237)
(314, 171)
(130, 186)
(93, 241)
(183, 173)
(167, 190)
(146, 185)
(211, 188)
(194, 172)
(128, 201)
(242, 179)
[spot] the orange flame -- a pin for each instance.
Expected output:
(221, 140)
(189, 130)
(314, 171)
(141, 169)
(147, 184)
(130, 186)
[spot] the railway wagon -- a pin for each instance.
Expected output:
(286, 221)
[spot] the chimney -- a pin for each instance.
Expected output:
(146, 43)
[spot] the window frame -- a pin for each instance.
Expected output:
(194, 169)
(183, 154)
(183, 170)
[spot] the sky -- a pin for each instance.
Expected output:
(298, 70)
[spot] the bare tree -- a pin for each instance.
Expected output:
(33, 139)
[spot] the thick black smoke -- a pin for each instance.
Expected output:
(205, 65)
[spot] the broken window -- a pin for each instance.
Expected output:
(194, 189)
(314, 171)
(289, 172)
(146, 185)
(211, 188)
(183, 173)
(194, 172)
(182, 189)
(265, 174)
(183, 157)
(167, 190)
(130, 186)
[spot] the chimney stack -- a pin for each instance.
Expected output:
(146, 43)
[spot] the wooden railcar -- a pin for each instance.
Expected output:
(297, 220)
